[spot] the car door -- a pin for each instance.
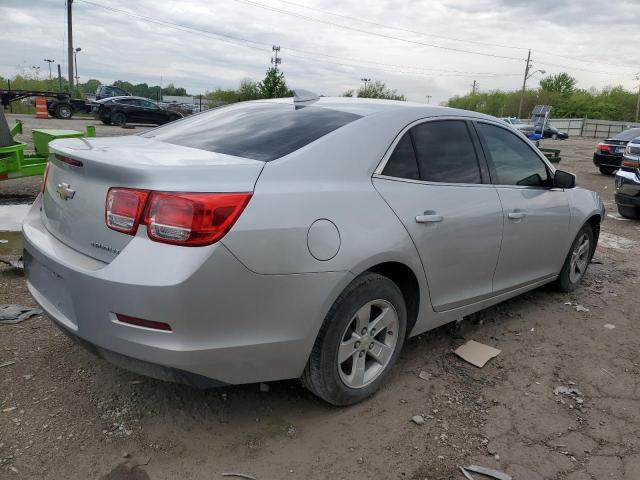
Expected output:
(433, 180)
(536, 215)
(150, 112)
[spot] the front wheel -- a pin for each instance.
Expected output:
(359, 341)
(629, 212)
(607, 170)
(577, 261)
(119, 119)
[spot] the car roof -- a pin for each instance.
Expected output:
(627, 134)
(370, 106)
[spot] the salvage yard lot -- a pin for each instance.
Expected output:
(66, 414)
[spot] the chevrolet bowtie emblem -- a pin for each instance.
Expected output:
(65, 192)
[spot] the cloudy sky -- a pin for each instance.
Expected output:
(419, 47)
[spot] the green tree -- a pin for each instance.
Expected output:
(562, 83)
(378, 89)
(274, 85)
(249, 90)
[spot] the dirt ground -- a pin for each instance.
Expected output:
(66, 414)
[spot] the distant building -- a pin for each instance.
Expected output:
(182, 100)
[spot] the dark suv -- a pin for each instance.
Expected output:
(107, 91)
(122, 110)
(608, 154)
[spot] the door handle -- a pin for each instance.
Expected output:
(429, 217)
(516, 215)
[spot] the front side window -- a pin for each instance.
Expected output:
(402, 162)
(514, 161)
(445, 152)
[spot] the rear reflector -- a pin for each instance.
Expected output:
(192, 219)
(69, 161)
(124, 209)
(139, 322)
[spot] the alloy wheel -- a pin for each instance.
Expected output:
(368, 343)
(579, 258)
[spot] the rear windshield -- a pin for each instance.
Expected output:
(259, 131)
(627, 134)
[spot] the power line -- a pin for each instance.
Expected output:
(241, 41)
(368, 32)
(402, 29)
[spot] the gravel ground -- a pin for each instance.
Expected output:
(66, 414)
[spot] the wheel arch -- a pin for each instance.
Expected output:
(594, 221)
(407, 281)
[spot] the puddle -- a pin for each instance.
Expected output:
(13, 244)
(11, 216)
(609, 240)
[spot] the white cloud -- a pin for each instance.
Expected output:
(117, 46)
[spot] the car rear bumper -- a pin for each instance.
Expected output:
(228, 323)
(603, 160)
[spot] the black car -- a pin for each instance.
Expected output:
(553, 132)
(122, 110)
(608, 154)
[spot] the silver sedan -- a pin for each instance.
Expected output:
(304, 238)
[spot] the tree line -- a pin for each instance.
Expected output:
(559, 91)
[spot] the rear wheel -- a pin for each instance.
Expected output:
(577, 261)
(63, 111)
(119, 119)
(629, 212)
(607, 170)
(359, 341)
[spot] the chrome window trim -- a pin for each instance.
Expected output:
(396, 140)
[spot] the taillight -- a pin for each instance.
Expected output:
(603, 147)
(192, 219)
(124, 209)
(46, 175)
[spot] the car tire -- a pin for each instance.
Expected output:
(367, 300)
(577, 261)
(173, 118)
(607, 170)
(629, 212)
(118, 119)
(63, 111)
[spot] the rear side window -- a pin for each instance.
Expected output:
(259, 131)
(402, 163)
(445, 152)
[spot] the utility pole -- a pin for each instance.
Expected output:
(275, 59)
(637, 77)
(365, 80)
(524, 82)
(59, 78)
(49, 61)
(428, 98)
(70, 44)
(474, 88)
(75, 59)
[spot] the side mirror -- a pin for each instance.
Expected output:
(562, 179)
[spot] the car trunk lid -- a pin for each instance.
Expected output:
(81, 171)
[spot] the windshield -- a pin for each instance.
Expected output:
(259, 131)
